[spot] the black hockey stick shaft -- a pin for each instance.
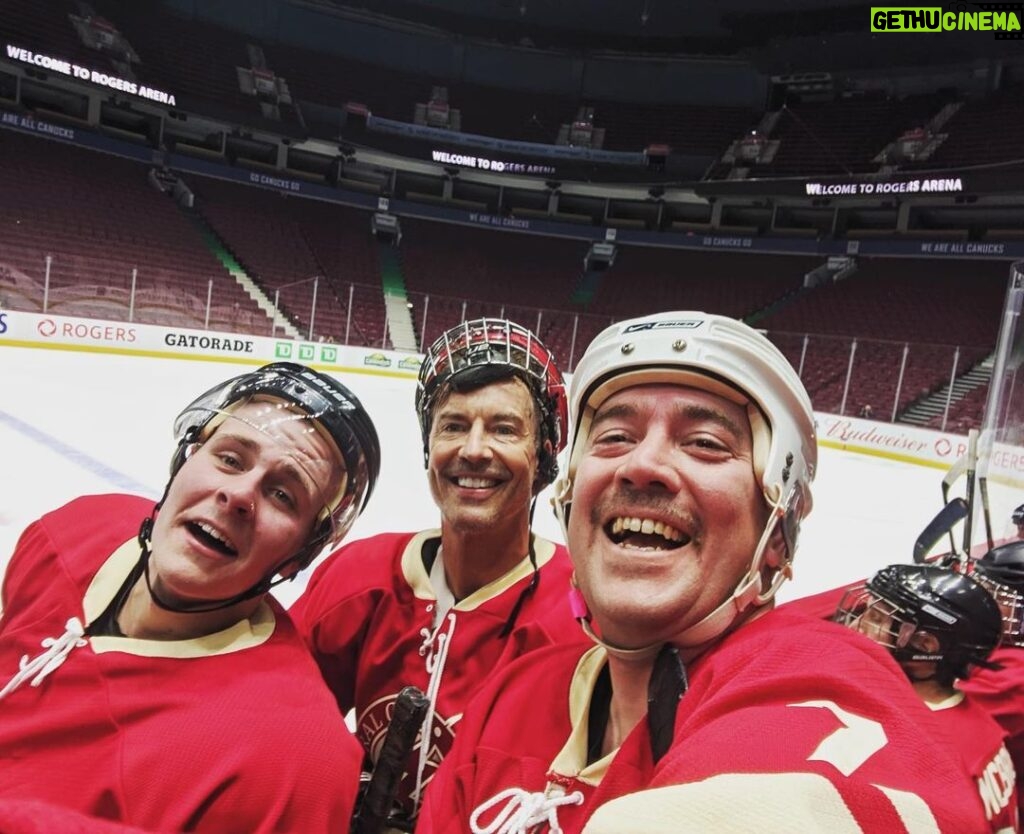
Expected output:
(958, 468)
(986, 510)
(969, 490)
(945, 520)
(406, 720)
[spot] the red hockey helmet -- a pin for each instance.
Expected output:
(482, 351)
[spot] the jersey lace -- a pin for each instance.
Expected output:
(435, 647)
(521, 811)
(57, 651)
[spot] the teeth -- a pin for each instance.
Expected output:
(210, 531)
(475, 483)
(646, 525)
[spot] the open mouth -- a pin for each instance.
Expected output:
(645, 534)
(467, 482)
(211, 537)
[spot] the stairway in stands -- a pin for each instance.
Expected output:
(928, 410)
(396, 301)
(230, 262)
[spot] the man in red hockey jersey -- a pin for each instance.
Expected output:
(701, 709)
(147, 676)
(999, 687)
(941, 626)
(1001, 690)
(446, 609)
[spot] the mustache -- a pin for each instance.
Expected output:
(630, 501)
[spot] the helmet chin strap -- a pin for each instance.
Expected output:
(202, 607)
(642, 653)
(748, 592)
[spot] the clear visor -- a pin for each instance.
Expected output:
(303, 463)
(1011, 606)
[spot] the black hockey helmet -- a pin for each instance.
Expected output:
(1001, 572)
(955, 609)
(478, 352)
(1017, 516)
(331, 405)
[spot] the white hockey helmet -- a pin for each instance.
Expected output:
(716, 354)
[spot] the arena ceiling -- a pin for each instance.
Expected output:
(771, 33)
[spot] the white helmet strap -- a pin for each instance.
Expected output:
(642, 653)
(750, 591)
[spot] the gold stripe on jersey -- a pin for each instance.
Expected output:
(946, 703)
(107, 582)
(572, 759)
(738, 803)
(412, 564)
(416, 573)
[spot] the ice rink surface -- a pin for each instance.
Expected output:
(74, 423)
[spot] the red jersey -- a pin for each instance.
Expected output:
(971, 730)
(233, 731)
(789, 724)
(27, 816)
(369, 615)
(1001, 693)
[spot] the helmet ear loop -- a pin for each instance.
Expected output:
(547, 465)
(145, 537)
(189, 442)
(325, 530)
(561, 503)
(425, 423)
(762, 555)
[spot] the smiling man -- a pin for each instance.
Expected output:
(701, 708)
(150, 678)
(444, 609)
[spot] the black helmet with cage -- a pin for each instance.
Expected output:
(482, 351)
(297, 393)
(1001, 572)
(1017, 516)
(901, 603)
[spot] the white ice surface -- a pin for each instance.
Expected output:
(75, 423)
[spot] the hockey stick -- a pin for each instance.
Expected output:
(378, 799)
(983, 462)
(958, 468)
(972, 463)
(986, 510)
(945, 520)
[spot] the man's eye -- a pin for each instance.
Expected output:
(230, 459)
(282, 496)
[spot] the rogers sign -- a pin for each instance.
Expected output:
(48, 328)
